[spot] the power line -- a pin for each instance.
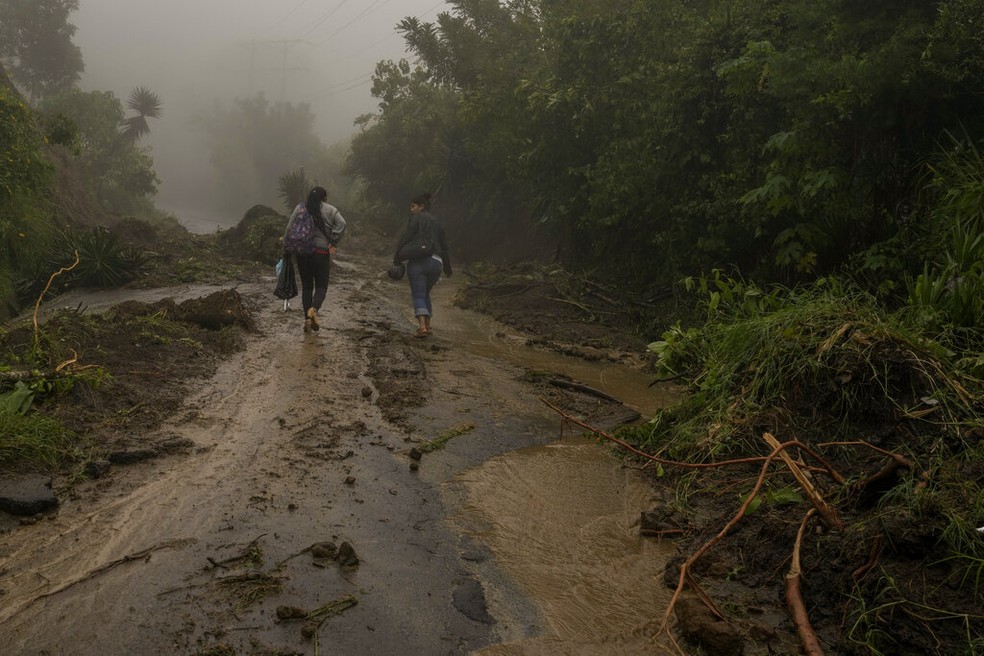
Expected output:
(330, 91)
(357, 17)
(287, 15)
(323, 17)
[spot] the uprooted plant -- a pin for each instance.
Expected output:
(880, 429)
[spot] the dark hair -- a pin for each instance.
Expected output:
(423, 199)
(317, 196)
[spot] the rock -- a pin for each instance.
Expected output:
(290, 613)
(27, 495)
(346, 555)
(324, 550)
(97, 468)
(415, 453)
(699, 625)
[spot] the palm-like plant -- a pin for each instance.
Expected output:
(147, 104)
(293, 187)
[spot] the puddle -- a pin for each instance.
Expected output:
(560, 522)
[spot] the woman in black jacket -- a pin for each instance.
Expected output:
(424, 247)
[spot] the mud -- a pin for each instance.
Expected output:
(297, 442)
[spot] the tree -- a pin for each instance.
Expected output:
(36, 45)
(147, 104)
(253, 142)
(121, 174)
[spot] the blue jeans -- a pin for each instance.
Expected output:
(423, 274)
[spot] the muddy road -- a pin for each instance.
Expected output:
(354, 491)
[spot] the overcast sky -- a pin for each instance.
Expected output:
(192, 52)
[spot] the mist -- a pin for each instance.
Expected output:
(196, 53)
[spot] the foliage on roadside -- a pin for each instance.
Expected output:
(655, 140)
(33, 440)
(27, 228)
(887, 404)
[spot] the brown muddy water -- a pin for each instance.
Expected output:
(560, 520)
(561, 523)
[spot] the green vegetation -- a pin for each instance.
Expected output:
(33, 440)
(787, 138)
(119, 174)
(36, 45)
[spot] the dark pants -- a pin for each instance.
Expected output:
(313, 271)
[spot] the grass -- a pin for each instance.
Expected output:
(446, 436)
(33, 438)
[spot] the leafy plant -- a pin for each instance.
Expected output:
(104, 260)
(147, 104)
(293, 188)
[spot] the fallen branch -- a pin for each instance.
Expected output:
(248, 552)
(686, 465)
(693, 558)
(143, 554)
(580, 387)
(830, 518)
(37, 304)
(318, 616)
(794, 596)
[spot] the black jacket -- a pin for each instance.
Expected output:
(425, 228)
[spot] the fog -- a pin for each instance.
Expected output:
(193, 53)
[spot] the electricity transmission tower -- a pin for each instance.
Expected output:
(254, 67)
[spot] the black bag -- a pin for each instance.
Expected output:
(416, 248)
(286, 283)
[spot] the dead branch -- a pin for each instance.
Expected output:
(318, 616)
(903, 461)
(687, 465)
(580, 387)
(143, 554)
(830, 518)
(639, 452)
(872, 559)
(693, 558)
(37, 304)
(247, 552)
(794, 596)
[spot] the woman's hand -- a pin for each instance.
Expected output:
(331, 249)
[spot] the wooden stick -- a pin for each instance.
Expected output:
(794, 596)
(37, 304)
(830, 518)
